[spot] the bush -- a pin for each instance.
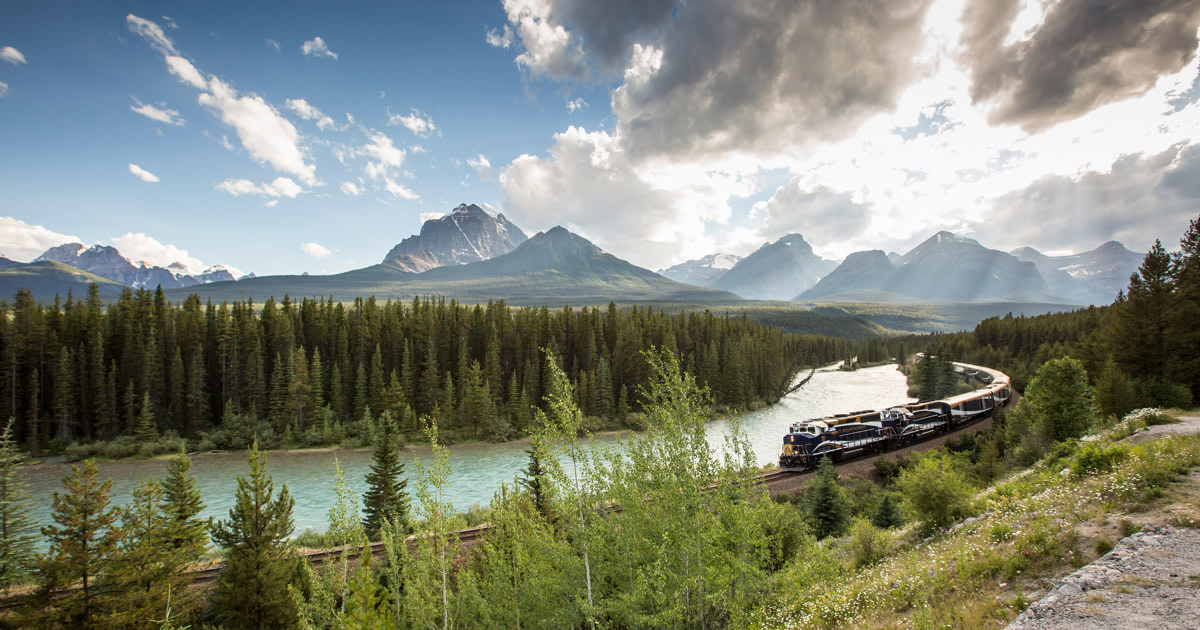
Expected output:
(1094, 458)
(935, 490)
(868, 544)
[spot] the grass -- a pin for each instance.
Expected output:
(1031, 529)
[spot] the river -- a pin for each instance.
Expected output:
(478, 468)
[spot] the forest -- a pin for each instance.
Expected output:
(135, 375)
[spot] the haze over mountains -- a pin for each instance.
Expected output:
(473, 254)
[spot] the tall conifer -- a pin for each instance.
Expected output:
(386, 497)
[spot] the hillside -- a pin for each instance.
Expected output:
(776, 271)
(552, 267)
(48, 278)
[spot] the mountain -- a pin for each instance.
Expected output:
(107, 262)
(869, 270)
(48, 278)
(1093, 277)
(467, 234)
(5, 263)
(776, 271)
(951, 268)
(555, 266)
(944, 268)
(702, 272)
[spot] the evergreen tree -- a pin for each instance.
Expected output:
(887, 514)
(83, 543)
(533, 480)
(1115, 395)
(385, 497)
(1140, 323)
(252, 590)
(181, 507)
(16, 524)
(825, 502)
(147, 430)
(147, 568)
(363, 611)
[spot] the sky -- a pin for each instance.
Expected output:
(289, 137)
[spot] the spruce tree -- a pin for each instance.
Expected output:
(83, 544)
(533, 480)
(887, 514)
(826, 503)
(385, 497)
(252, 590)
(365, 610)
(182, 506)
(16, 525)
(146, 431)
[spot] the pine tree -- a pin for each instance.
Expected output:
(146, 431)
(147, 568)
(252, 589)
(826, 503)
(181, 507)
(82, 547)
(386, 497)
(16, 524)
(887, 514)
(363, 611)
(533, 480)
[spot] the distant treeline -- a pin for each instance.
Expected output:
(319, 372)
(1142, 350)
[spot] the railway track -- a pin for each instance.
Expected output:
(201, 577)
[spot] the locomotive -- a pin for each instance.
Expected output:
(848, 434)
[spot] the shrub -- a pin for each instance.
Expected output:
(868, 543)
(935, 490)
(1094, 458)
(1103, 546)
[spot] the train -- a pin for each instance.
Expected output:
(848, 434)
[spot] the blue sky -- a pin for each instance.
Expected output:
(287, 137)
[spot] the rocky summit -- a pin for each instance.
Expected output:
(776, 271)
(467, 234)
(108, 262)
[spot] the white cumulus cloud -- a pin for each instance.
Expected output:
(307, 111)
(399, 190)
(429, 216)
(142, 173)
(316, 47)
(384, 155)
(139, 247)
(481, 165)
(152, 32)
(12, 55)
(352, 189)
(280, 187)
(500, 38)
(315, 250)
(186, 72)
(416, 122)
(23, 242)
(163, 115)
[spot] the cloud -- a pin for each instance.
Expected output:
(170, 22)
(316, 47)
(165, 115)
(140, 247)
(416, 122)
(265, 133)
(152, 32)
(315, 250)
(23, 242)
(268, 136)
(429, 216)
(482, 166)
(280, 187)
(576, 104)
(587, 183)
(3, 89)
(399, 190)
(12, 55)
(822, 215)
(766, 77)
(306, 111)
(1080, 57)
(1140, 197)
(500, 39)
(352, 189)
(579, 40)
(142, 173)
(384, 155)
(274, 44)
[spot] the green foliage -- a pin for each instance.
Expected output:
(16, 524)
(386, 498)
(887, 515)
(868, 543)
(345, 526)
(186, 532)
(935, 490)
(1095, 458)
(1061, 403)
(825, 502)
(83, 546)
(252, 589)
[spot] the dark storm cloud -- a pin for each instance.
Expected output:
(765, 75)
(609, 28)
(1086, 53)
(1143, 197)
